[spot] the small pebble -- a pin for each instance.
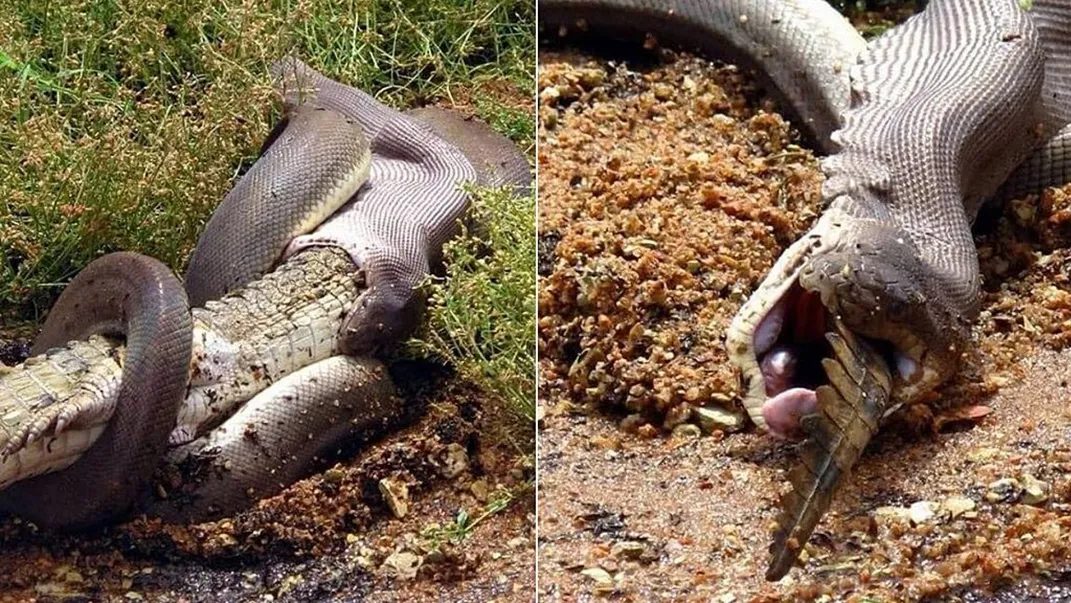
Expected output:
(333, 476)
(480, 489)
(686, 431)
(628, 549)
(456, 461)
(711, 418)
(892, 513)
(1003, 490)
(549, 95)
(603, 580)
(1035, 491)
(403, 564)
(922, 511)
(958, 505)
(396, 495)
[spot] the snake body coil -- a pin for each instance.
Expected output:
(138, 298)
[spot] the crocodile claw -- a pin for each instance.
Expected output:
(73, 411)
(90, 402)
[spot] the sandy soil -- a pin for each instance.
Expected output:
(667, 189)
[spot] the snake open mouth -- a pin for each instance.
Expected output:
(790, 344)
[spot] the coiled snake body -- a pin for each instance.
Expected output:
(873, 306)
(349, 204)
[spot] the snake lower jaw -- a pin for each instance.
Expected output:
(786, 344)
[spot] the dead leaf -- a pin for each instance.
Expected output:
(968, 414)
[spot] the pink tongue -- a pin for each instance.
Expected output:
(783, 411)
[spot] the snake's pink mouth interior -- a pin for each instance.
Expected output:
(790, 344)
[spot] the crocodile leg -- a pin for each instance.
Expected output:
(242, 344)
(44, 386)
(278, 437)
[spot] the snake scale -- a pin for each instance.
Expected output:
(311, 263)
(873, 306)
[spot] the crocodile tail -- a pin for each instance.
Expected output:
(849, 412)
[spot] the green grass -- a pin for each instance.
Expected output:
(123, 124)
(482, 314)
(854, 6)
(874, 17)
(454, 533)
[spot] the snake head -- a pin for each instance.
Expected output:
(870, 274)
(383, 315)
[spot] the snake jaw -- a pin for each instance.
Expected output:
(863, 272)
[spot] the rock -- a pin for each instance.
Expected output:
(366, 557)
(590, 78)
(333, 476)
(480, 489)
(252, 581)
(686, 430)
(647, 431)
(396, 495)
(958, 505)
(456, 461)
(892, 513)
(922, 511)
(1003, 490)
(69, 574)
(1035, 491)
(710, 418)
(289, 583)
(549, 117)
(550, 95)
(628, 549)
(403, 564)
(674, 550)
(604, 582)
(677, 416)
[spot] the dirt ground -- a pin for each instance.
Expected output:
(668, 186)
(330, 537)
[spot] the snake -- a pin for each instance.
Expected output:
(262, 361)
(872, 308)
